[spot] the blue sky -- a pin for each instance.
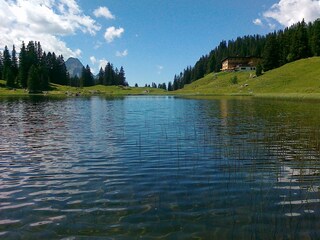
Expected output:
(151, 39)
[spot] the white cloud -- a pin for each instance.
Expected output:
(112, 33)
(98, 44)
(288, 12)
(258, 22)
(46, 21)
(272, 26)
(93, 60)
(103, 63)
(103, 12)
(122, 54)
(160, 68)
(78, 52)
(97, 64)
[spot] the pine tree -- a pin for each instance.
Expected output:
(122, 77)
(6, 63)
(175, 83)
(271, 53)
(32, 57)
(259, 70)
(109, 75)
(211, 63)
(164, 86)
(315, 38)
(33, 80)
(43, 74)
(14, 65)
(82, 79)
(10, 78)
(90, 80)
(38, 50)
(86, 77)
(100, 76)
(300, 44)
(23, 67)
(61, 71)
(1, 65)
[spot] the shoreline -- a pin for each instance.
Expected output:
(281, 96)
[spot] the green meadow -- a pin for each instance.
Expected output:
(60, 90)
(300, 79)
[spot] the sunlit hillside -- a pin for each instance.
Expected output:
(301, 78)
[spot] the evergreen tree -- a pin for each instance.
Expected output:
(23, 67)
(1, 65)
(100, 76)
(211, 63)
(10, 78)
(175, 83)
(86, 77)
(315, 38)
(107, 74)
(259, 70)
(61, 71)
(14, 65)
(116, 78)
(122, 77)
(38, 50)
(33, 80)
(43, 74)
(32, 57)
(300, 43)
(82, 79)
(271, 53)
(6, 63)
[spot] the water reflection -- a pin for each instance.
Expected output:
(159, 167)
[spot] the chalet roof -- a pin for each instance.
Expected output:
(239, 57)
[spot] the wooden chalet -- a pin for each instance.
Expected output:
(240, 63)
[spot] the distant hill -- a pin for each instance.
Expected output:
(300, 77)
(74, 67)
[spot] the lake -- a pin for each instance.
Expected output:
(159, 168)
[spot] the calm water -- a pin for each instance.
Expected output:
(159, 168)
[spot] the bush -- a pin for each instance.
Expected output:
(259, 70)
(234, 80)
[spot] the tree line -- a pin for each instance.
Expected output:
(107, 77)
(34, 69)
(301, 40)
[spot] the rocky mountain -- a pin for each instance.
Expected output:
(74, 67)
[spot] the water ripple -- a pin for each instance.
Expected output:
(158, 168)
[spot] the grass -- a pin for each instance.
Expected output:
(300, 79)
(59, 90)
(105, 90)
(297, 80)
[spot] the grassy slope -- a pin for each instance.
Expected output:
(297, 79)
(6, 92)
(300, 78)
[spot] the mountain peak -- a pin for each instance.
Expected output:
(74, 67)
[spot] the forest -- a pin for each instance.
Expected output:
(299, 41)
(34, 69)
